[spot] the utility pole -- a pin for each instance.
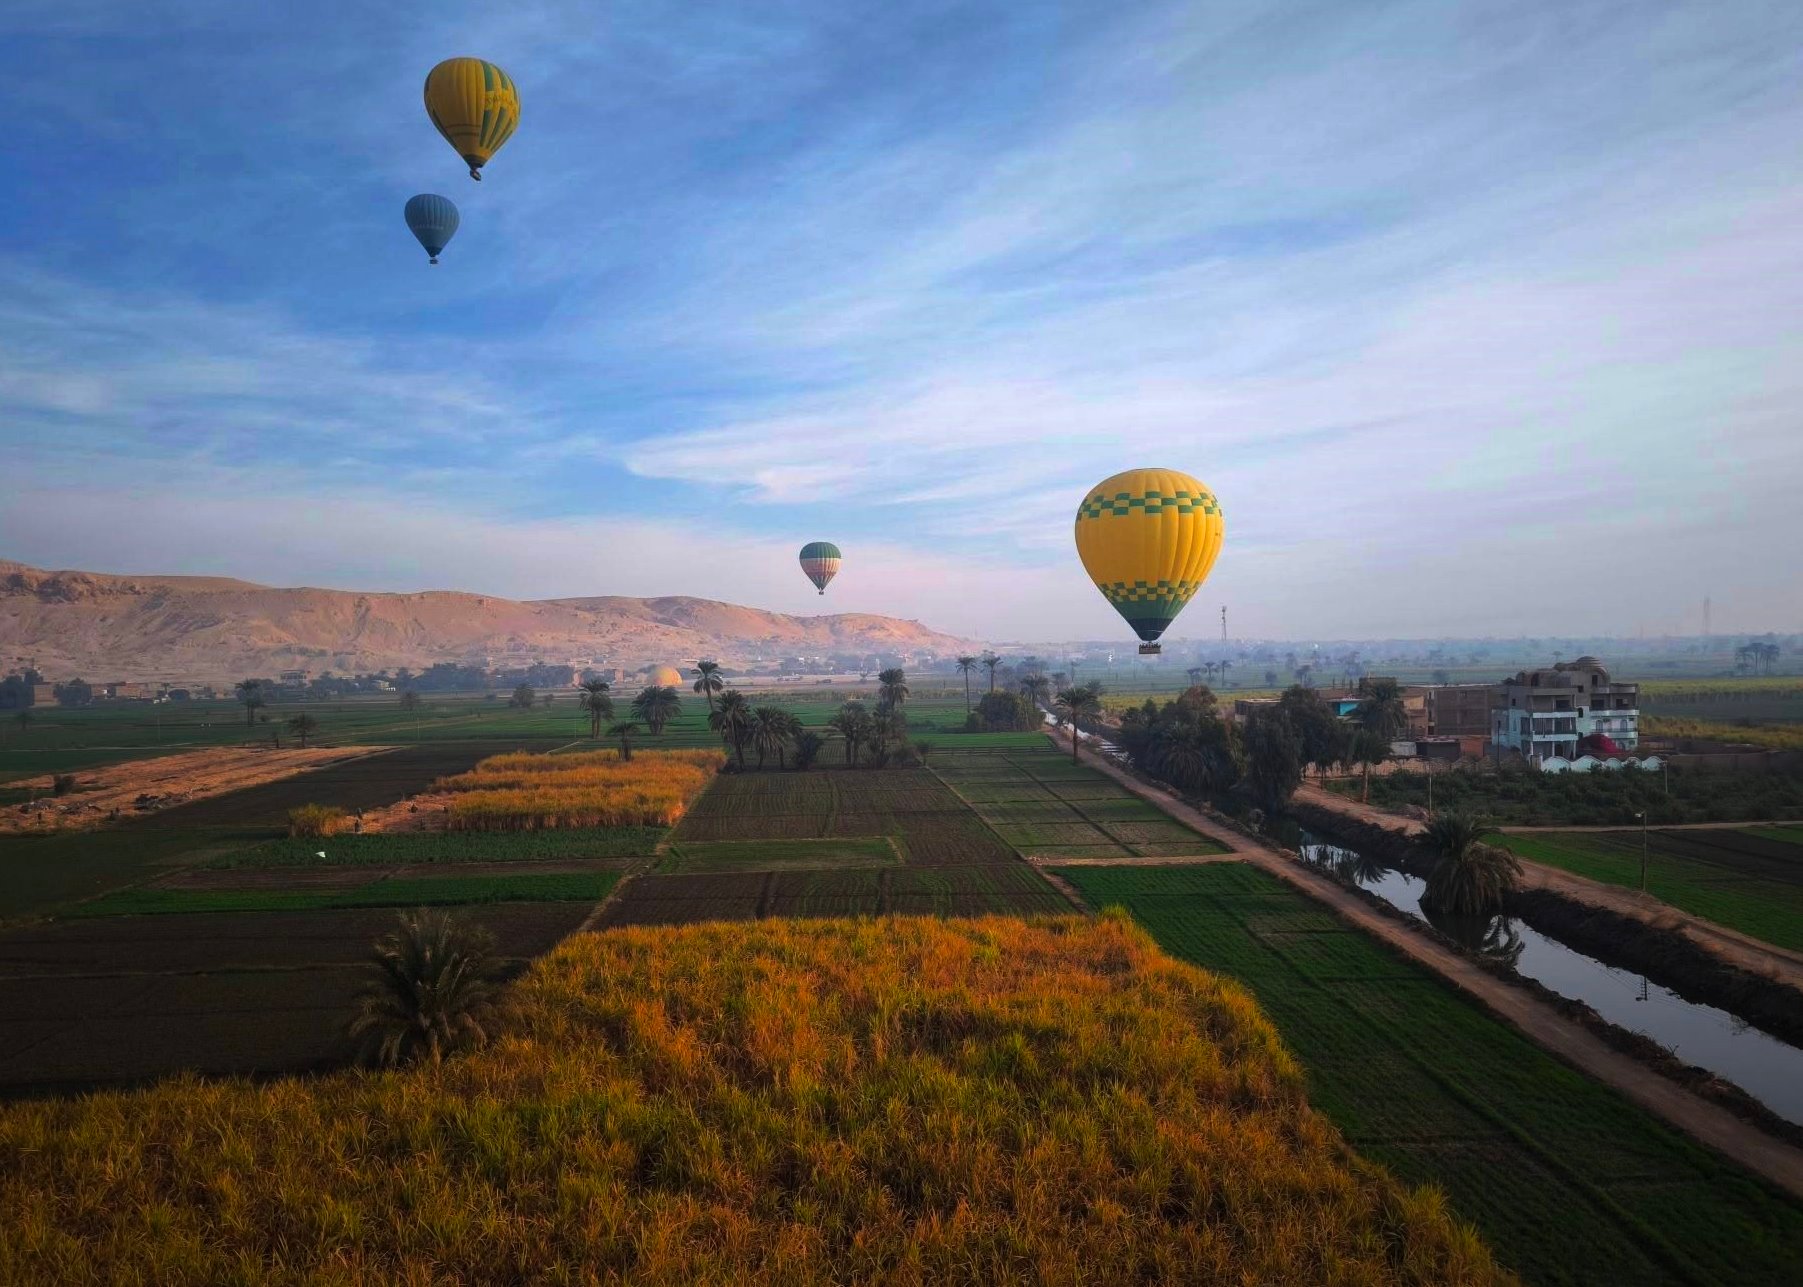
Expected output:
(1643, 847)
(1706, 606)
(1223, 623)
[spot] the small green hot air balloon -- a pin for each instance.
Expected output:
(820, 560)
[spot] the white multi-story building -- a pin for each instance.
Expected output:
(1545, 713)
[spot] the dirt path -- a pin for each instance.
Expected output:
(1721, 1130)
(167, 780)
(1730, 945)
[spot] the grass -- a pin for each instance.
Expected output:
(41, 872)
(780, 855)
(407, 847)
(417, 891)
(1743, 880)
(1568, 1182)
(782, 1102)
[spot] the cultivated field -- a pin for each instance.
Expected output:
(1778, 700)
(526, 792)
(1528, 798)
(1750, 880)
(1569, 1182)
(903, 1101)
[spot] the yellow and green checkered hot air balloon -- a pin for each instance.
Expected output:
(475, 106)
(1147, 538)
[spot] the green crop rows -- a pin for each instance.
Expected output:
(417, 891)
(1569, 1182)
(1748, 880)
(1047, 807)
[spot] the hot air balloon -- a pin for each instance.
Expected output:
(820, 560)
(475, 106)
(1147, 538)
(433, 219)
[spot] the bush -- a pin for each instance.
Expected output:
(433, 992)
(62, 784)
(312, 821)
(1007, 713)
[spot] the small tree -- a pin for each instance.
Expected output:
(807, 749)
(657, 706)
(62, 784)
(409, 700)
(731, 718)
(523, 697)
(624, 731)
(1074, 705)
(433, 991)
(1367, 748)
(1273, 758)
(922, 748)
(303, 726)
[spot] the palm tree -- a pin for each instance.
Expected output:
(1035, 688)
(770, 732)
(990, 662)
(24, 720)
(731, 718)
(250, 692)
(1367, 748)
(657, 706)
(409, 700)
(1075, 705)
(599, 705)
(1195, 675)
(432, 992)
(966, 664)
(1222, 667)
(894, 685)
(709, 681)
(1380, 709)
(624, 731)
(853, 723)
(1470, 878)
(302, 726)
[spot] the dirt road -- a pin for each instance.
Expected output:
(1721, 1130)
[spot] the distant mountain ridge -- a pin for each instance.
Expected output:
(104, 627)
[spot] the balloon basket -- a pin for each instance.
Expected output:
(1150, 650)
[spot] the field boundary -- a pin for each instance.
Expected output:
(1075, 900)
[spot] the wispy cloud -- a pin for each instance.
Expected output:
(1431, 295)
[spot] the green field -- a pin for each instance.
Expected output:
(1749, 880)
(1530, 799)
(1567, 1181)
(1045, 807)
(420, 891)
(398, 848)
(780, 855)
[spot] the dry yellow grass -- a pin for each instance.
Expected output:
(522, 792)
(895, 1101)
(1775, 737)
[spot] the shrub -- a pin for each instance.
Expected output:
(315, 820)
(62, 784)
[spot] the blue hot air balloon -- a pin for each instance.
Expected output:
(433, 219)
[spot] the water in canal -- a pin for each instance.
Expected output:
(1768, 1069)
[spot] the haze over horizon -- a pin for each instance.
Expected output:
(1479, 323)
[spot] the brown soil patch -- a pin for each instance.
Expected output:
(145, 786)
(424, 812)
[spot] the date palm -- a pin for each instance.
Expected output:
(598, 703)
(708, 681)
(966, 664)
(990, 663)
(657, 706)
(1074, 705)
(250, 692)
(770, 732)
(1469, 878)
(852, 722)
(1035, 688)
(624, 731)
(731, 718)
(433, 991)
(893, 686)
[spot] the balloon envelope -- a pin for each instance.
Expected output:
(433, 219)
(667, 677)
(820, 560)
(475, 106)
(1147, 538)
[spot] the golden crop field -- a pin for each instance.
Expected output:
(525, 792)
(896, 1100)
(1773, 737)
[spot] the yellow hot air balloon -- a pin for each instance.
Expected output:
(667, 677)
(475, 106)
(1147, 538)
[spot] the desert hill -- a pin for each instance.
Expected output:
(205, 628)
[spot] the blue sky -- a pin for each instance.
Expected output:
(1481, 318)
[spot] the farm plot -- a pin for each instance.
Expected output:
(781, 855)
(1569, 1182)
(524, 792)
(1046, 807)
(617, 844)
(128, 998)
(523, 883)
(1747, 880)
